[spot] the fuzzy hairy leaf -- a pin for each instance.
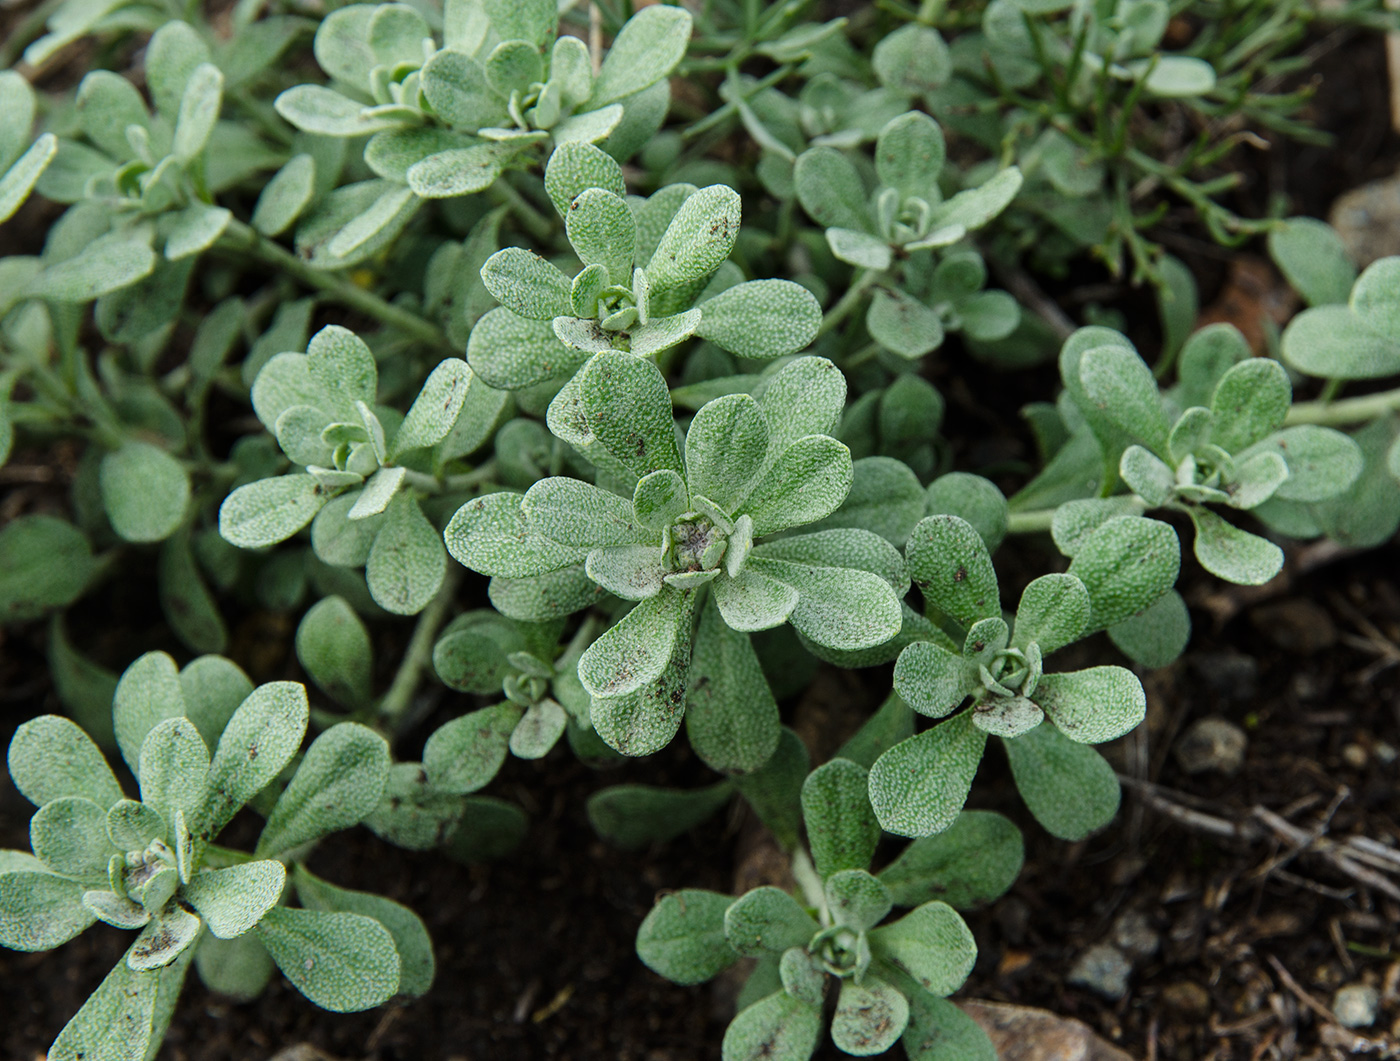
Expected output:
(972, 862)
(767, 919)
(233, 900)
(261, 737)
(646, 49)
(1069, 787)
(683, 937)
(761, 319)
(949, 562)
(931, 944)
(39, 911)
(50, 758)
(731, 716)
(918, 787)
(1126, 564)
(337, 784)
(343, 962)
(465, 754)
(841, 827)
(632, 816)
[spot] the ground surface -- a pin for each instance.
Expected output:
(534, 953)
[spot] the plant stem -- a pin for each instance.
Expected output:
(530, 219)
(1344, 411)
(848, 302)
(806, 876)
(1032, 522)
(419, 652)
(337, 287)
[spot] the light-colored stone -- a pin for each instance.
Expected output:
(1357, 1005)
(1212, 744)
(1135, 936)
(1368, 220)
(1103, 969)
(1021, 1033)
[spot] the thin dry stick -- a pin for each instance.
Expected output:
(1296, 989)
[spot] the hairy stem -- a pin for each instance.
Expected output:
(849, 301)
(1344, 411)
(531, 220)
(419, 652)
(254, 244)
(1033, 522)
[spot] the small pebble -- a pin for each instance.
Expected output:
(1103, 969)
(1135, 936)
(1188, 998)
(1354, 756)
(1385, 753)
(1357, 1005)
(1212, 744)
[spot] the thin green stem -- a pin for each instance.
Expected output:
(806, 876)
(419, 652)
(1036, 521)
(849, 301)
(1345, 411)
(531, 220)
(252, 243)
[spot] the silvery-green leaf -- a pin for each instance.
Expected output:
(856, 899)
(662, 497)
(144, 490)
(261, 737)
(1176, 75)
(1094, 705)
(337, 784)
(147, 694)
(1126, 564)
(412, 814)
(164, 939)
(1257, 479)
(539, 730)
(199, 110)
(325, 112)
(633, 816)
(635, 651)
(903, 325)
(972, 862)
(39, 911)
(695, 243)
(1007, 716)
(918, 787)
(107, 264)
(50, 758)
(367, 229)
(1322, 462)
(767, 919)
(174, 768)
(456, 87)
(465, 754)
(575, 167)
(1313, 259)
(931, 944)
(339, 540)
(870, 1016)
(1075, 520)
(839, 608)
(587, 335)
(972, 498)
(45, 563)
(512, 66)
(1069, 787)
(233, 900)
(1208, 354)
(175, 50)
(237, 968)
(526, 284)
(761, 319)
(460, 171)
(753, 600)
(629, 406)
(1333, 342)
(601, 229)
(948, 560)
(1054, 612)
(132, 825)
(509, 351)
(1156, 636)
(407, 562)
(435, 410)
(1249, 402)
(644, 721)
(490, 535)
(417, 965)
(196, 229)
(69, 836)
(974, 207)
(343, 962)
(632, 572)
(731, 716)
(572, 512)
(333, 647)
(841, 827)
(909, 153)
(932, 680)
(285, 196)
(859, 248)
(662, 333)
(1233, 554)
(682, 938)
(804, 397)
(808, 481)
(18, 181)
(886, 498)
(912, 59)
(777, 1028)
(1147, 475)
(830, 189)
(591, 126)
(115, 1022)
(646, 49)
(1120, 384)
(116, 910)
(212, 688)
(270, 510)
